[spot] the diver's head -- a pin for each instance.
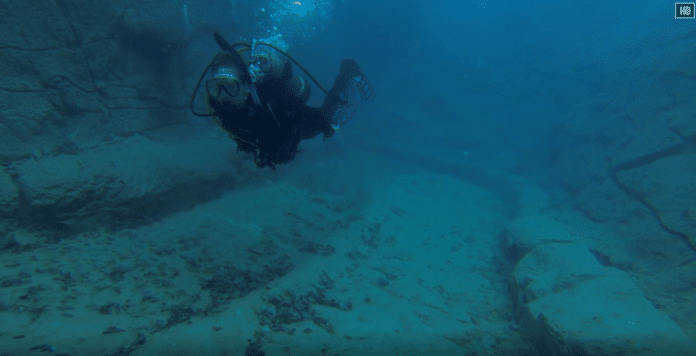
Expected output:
(225, 87)
(266, 64)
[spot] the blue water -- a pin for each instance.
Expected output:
(523, 183)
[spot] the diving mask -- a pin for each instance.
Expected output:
(225, 87)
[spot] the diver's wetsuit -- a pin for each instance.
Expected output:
(272, 125)
(272, 132)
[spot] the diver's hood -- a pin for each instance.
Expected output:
(229, 81)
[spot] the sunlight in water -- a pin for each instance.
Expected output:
(299, 9)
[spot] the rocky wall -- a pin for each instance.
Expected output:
(656, 167)
(74, 73)
(87, 89)
(627, 156)
(635, 154)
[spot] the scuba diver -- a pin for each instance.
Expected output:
(259, 95)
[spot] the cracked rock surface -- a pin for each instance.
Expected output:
(86, 89)
(651, 173)
(668, 186)
(71, 79)
(633, 170)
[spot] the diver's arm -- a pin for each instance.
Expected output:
(313, 122)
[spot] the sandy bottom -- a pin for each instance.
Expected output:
(412, 265)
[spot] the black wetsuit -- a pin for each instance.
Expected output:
(273, 130)
(272, 126)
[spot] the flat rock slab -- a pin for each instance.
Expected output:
(606, 316)
(572, 305)
(527, 232)
(136, 179)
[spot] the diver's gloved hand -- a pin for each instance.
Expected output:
(359, 88)
(350, 87)
(350, 67)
